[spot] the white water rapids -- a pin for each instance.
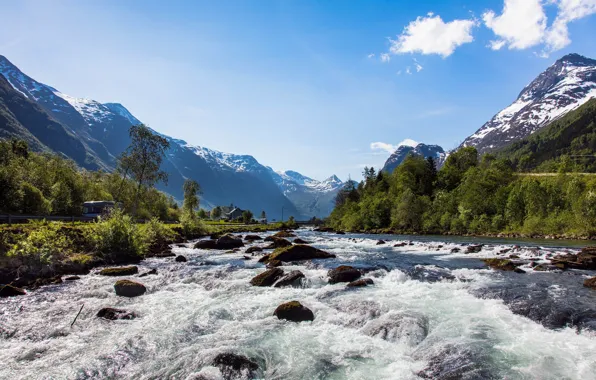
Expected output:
(402, 327)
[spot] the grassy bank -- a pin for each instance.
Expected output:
(35, 254)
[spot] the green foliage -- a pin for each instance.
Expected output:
(191, 192)
(216, 212)
(118, 234)
(469, 195)
(155, 232)
(247, 216)
(191, 225)
(44, 245)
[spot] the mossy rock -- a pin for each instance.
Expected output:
(299, 252)
(501, 264)
(11, 291)
(360, 283)
(229, 242)
(284, 234)
(278, 243)
(274, 264)
(267, 278)
(120, 271)
(343, 273)
(128, 288)
(252, 237)
(294, 311)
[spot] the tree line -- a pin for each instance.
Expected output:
(468, 195)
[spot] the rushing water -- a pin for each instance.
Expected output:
(429, 314)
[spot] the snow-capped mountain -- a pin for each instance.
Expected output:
(412, 147)
(564, 86)
(101, 132)
(311, 197)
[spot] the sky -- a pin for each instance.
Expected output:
(319, 87)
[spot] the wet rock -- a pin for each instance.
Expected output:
(474, 248)
(11, 291)
(343, 273)
(119, 271)
(264, 259)
(254, 249)
(590, 283)
(454, 363)
(252, 237)
(150, 273)
(72, 278)
(229, 242)
(586, 259)
(504, 251)
(513, 256)
(294, 279)
(300, 241)
(206, 244)
(500, 264)
(267, 278)
(455, 250)
(299, 252)
(324, 229)
(430, 273)
(340, 233)
(360, 283)
(246, 257)
(233, 366)
(115, 314)
(180, 259)
(46, 281)
(402, 244)
(128, 288)
(381, 242)
(294, 311)
(284, 234)
(408, 328)
(274, 264)
(278, 243)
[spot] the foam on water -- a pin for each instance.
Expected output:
(400, 328)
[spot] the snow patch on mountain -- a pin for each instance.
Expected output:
(420, 149)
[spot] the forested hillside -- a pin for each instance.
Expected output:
(567, 144)
(469, 195)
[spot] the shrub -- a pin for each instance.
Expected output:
(43, 245)
(34, 201)
(156, 233)
(117, 234)
(191, 224)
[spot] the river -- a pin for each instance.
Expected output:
(430, 314)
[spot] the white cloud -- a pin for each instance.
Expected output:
(408, 142)
(521, 25)
(383, 146)
(399, 72)
(431, 35)
(408, 70)
(371, 55)
(418, 67)
(557, 36)
(385, 57)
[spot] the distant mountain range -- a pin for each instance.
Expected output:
(93, 134)
(565, 86)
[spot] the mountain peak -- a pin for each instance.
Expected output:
(420, 149)
(577, 59)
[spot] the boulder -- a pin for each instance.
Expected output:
(274, 264)
(267, 278)
(254, 249)
(284, 234)
(402, 244)
(294, 311)
(11, 291)
(264, 259)
(343, 273)
(474, 248)
(206, 244)
(233, 366)
(180, 259)
(278, 243)
(151, 272)
(294, 279)
(115, 314)
(300, 241)
(72, 278)
(324, 229)
(500, 264)
(299, 252)
(128, 288)
(229, 242)
(381, 242)
(252, 237)
(340, 233)
(360, 283)
(120, 271)
(586, 259)
(590, 283)
(455, 250)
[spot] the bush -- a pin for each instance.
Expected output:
(43, 245)
(118, 234)
(156, 233)
(191, 225)
(34, 201)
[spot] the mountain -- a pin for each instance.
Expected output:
(93, 134)
(563, 87)
(412, 147)
(572, 138)
(311, 197)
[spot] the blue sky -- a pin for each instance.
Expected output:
(300, 85)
